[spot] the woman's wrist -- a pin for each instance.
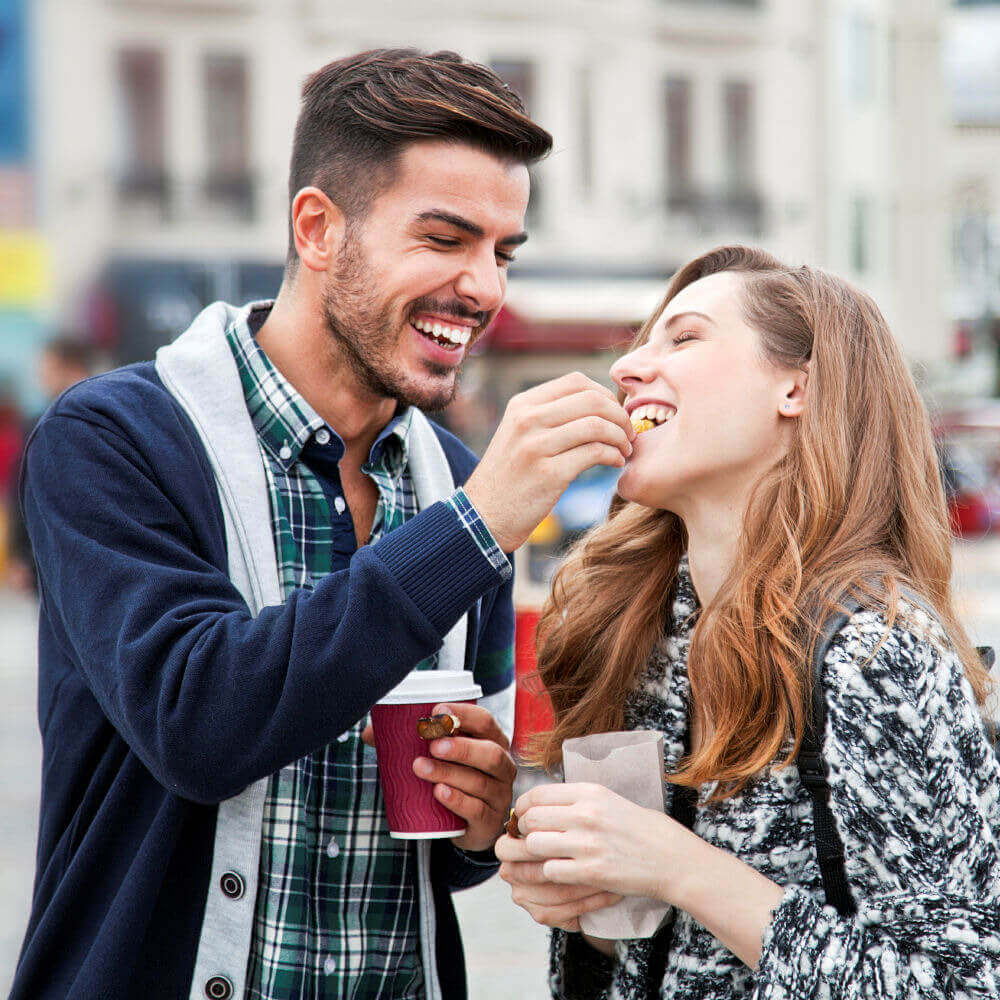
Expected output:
(729, 898)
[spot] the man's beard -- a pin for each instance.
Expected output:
(366, 334)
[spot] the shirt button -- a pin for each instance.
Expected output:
(340, 505)
(323, 436)
(232, 885)
(330, 965)
(285, 454)
(332, 849)
(218, 988)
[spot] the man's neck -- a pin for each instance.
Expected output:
(298, 344)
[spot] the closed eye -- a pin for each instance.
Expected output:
(683, 338)
(447, 241)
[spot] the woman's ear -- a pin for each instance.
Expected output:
(318, 226)
(793, 402)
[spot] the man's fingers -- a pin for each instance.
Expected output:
(564, 386)
(484, 755)
(472, 781)
(475, 721)
(473, 810)
(587, 430)
(567, 466)
(585, 404)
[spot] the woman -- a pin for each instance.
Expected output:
(792, 465)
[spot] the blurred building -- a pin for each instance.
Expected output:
(972, 65)
(24, 291)
(812, 127)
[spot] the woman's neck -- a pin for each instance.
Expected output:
(713, 532)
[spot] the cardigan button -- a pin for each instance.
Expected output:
(232, 885)
(219, 988)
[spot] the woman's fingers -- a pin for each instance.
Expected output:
(567, 915)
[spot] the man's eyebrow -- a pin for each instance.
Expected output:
(467, 226)
(690, 312)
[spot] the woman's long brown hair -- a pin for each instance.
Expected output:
(856, 506)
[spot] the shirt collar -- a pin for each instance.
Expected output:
(284, 420)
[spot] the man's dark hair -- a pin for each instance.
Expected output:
(360, 113)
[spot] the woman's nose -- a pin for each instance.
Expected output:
(629, 370)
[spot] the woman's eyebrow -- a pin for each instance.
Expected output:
(674, 319)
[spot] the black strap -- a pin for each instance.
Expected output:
(812, 766)
(682, 807)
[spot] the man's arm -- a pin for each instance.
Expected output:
(210, 697)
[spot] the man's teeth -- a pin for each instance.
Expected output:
(457, 335)
(652, 411)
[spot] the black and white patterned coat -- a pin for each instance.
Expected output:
(915, 792)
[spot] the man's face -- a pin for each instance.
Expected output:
(419, 278)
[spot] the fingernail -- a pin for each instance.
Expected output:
(441, 747)
(444, 791)
(423, 766)
(441, 710)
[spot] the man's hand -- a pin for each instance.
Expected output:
(548, 436)
(473, 774)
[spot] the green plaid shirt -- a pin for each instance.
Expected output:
(337, 909)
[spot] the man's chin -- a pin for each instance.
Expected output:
(429, 394)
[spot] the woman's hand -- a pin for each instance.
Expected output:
(547, 903)
(586, 835)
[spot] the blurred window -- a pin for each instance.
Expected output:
(519, 75)
(227, 133)
(142, 175)
(677, 100)
(739, 136)
(859, 58)
(860, 235)
(586, 112)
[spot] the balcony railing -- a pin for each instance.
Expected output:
(160, 197)
(711, 211)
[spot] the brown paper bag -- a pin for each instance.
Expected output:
(630, 764)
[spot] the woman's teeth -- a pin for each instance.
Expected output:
(452, 334)
(652, 412)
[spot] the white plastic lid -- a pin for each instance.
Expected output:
(434, 685)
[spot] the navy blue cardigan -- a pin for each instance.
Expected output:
(159, 695)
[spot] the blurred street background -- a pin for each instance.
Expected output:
(144, 147)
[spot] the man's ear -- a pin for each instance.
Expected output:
(318, 226)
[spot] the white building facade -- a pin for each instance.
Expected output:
(812, 127)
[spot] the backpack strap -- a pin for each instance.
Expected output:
(813, 774)
(812, 767)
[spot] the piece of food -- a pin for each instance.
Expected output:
(433, 727)
(642, 425)
(512, 829)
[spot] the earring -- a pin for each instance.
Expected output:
(786, 406)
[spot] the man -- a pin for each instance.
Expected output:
(63, 361)
(244, 547)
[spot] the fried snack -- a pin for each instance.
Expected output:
(512, 829)
(433, 727)
(642, 425)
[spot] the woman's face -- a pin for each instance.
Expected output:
(728, 410)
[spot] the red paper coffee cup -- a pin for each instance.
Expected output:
(412, 810)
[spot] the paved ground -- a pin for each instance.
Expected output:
(505, 950)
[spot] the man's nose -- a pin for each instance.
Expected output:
(481, 285)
